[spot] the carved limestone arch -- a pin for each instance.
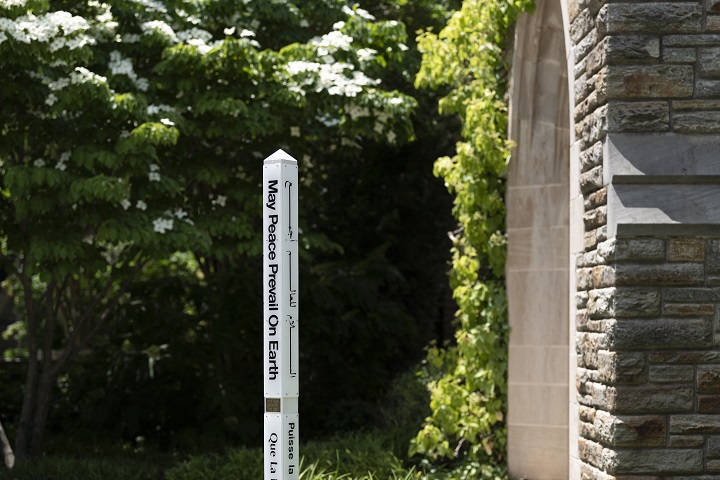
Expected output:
(539, 271)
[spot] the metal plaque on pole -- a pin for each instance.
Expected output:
(280, 317)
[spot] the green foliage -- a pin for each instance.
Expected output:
(131, 130)
(469, 388)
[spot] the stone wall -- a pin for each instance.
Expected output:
(649, 368)
(647, 82)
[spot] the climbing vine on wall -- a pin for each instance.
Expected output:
(469, 395)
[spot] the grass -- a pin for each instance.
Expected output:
(374, 455)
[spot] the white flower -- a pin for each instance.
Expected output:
(294, 131)
(220, 200)
(154, 177)
(153, 109)
(140, 205)
(378, 127)
(61, 166)
(160, 27)
(194, 33)
(304, 23)
(338, 25)
(154, 167)
(180, 214)
(39, 163)
(125, 204)
(123, 66)
(358, 12)
(162, 225)
(229, 31)
(167, 121)
(51, 99)
(391, 137)
(395, 101)
(65, 156)
(247, 33)
(366, 54)
(403, 47)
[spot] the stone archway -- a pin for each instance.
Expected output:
(538, 269)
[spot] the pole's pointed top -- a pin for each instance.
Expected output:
(280, 157)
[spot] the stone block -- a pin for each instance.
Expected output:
(636, 302)
(629, 274)
(595, 218)
(581, 25)
(708, 404)
(707, 88)
(586, 414)
(702, 167)
(638, 116)
(659, 461)
(591, 452)
(649, 81)
(708, 379)
(584, 46)
(712, 23)
(630, 431)
(581, 299)
(596, 199)
(587, 430)
(686, 250)
(632, 49)
(593, 127)
(588, 472)
(591, 157)
(650, 17)
(582, 88)
(697, 122)
(622, 367)
(662, 333)
(685, 357)
(713, 256)
(691, 40)
(686, 441)
(580, 67)
(606, 251)
(584, 279)
(623, 302)
(659, 274)
(694, 424)
(588, 344)
(597, 58)
(679, 55)
(650, 399)
(591, 180)
(688, 309)
(713, 446)
(708, 62)
(672, 373)
(712, 466)
(637, 249)
(692, 295)
(603, 276)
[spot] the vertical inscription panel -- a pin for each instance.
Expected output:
(281, 327)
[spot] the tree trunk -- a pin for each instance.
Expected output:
(22, 439)
(42, 408)
(8, 455)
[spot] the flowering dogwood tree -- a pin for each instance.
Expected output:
(132, 129)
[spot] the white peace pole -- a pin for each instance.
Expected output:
(281, 326)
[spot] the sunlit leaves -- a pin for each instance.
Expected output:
(468, 401)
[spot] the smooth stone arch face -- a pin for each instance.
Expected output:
(538, 265)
